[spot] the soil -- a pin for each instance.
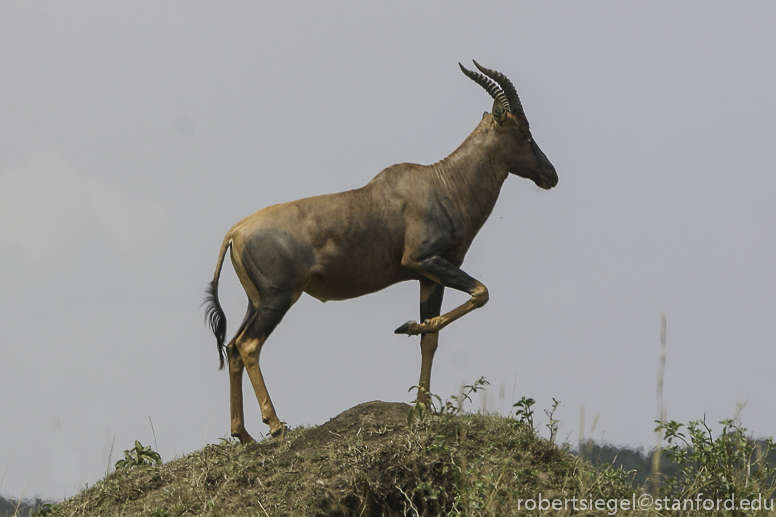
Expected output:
(369, 421)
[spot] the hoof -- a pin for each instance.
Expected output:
(244, 437)
(413, 328)
(405, 329)
(280, 432)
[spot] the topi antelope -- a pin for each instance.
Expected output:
(411, 222)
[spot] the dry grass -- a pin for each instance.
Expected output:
(365, 462)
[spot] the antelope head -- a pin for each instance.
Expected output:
(525, 158)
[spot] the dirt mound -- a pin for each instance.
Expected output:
(368, 461)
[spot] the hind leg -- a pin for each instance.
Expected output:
(273, 268)
(236, 367)
(235, 394)
(249, 346)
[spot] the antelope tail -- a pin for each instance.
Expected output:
(214, 314)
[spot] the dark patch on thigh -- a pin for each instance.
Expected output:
(276, 262)
(269, 315)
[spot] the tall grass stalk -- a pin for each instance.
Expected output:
(156, 446)
(661, 408)
(110, 455)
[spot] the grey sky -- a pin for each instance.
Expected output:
(133, 135)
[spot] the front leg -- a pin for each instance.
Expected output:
(448, 274)
(430, 306)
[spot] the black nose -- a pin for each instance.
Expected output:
(549, 178)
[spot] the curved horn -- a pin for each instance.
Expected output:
(506, 86)
(490, 87)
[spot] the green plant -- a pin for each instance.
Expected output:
(451, 407)
(552, 425)
(137, 456)
(46, 509)
(454, 405)
(420, 409)
(524, 413)
(732, 465)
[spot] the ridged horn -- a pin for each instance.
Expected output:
(506, 86)
(490, 87)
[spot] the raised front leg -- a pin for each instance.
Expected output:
(444, 272)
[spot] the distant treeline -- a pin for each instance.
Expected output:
(638, 461)
(23, 508)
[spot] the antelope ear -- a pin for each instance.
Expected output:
(499, 112)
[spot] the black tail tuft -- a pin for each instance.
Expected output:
(215, 316)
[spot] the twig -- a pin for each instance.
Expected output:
(262, 507)
(156, 447)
